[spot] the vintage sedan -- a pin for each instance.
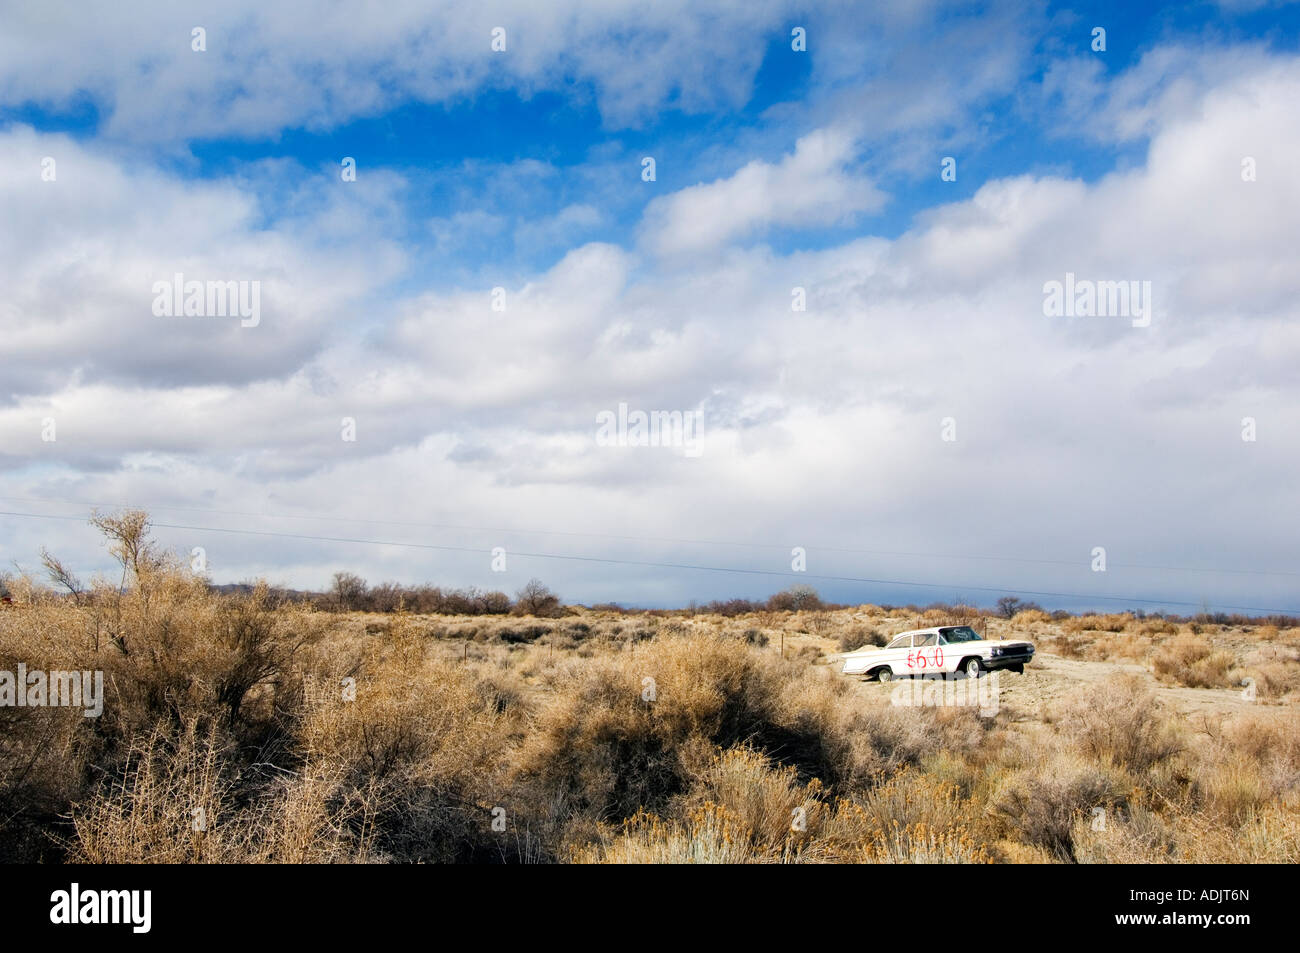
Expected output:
(943, 649)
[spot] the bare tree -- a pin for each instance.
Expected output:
(349, 590)
(535, 599)
(1008, 606)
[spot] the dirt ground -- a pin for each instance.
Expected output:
(1049, 678)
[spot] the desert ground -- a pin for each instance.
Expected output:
(248, 727)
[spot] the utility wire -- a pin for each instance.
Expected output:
(644, 539)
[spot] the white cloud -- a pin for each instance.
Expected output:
(80, 255)
(267, 67)
(808, 188)
(822, 426)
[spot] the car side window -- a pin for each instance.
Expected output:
(902, 642)
(927, 639)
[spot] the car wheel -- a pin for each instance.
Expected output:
(972, 667)
(1018, 669)
(885, 675)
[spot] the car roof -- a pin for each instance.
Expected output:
(933, 628)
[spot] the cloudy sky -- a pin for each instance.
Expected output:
(863, 338)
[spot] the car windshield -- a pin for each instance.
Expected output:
(961, 633)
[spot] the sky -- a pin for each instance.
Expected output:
(825, 237)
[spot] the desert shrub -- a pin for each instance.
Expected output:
(612, 741)
(1136, 836)
(1041, 806)
(755, 637)
(313, 817)
(772, 811)
(253, 646)
(808, 654)
(859, 636)
(1264, 738)
(638, 633)
(733, 607)
(742, 809)
(1030, 617)
(908, 817)
(1156, 627)
(176, 799)
(912, 797)
(1092, 622)
(795, 599)
(1119, 721)
(1120, 645)
(819, 623)
(1269, 836)
(1193, 662)
(45, 758)
(1068, 645)
(421, 742)
(184, 654)
(1233, 789)
(522, 633)
(1253, 761)
(706, 837)
(1275, 671)
(170, 803)
(501, 689)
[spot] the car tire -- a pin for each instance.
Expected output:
(972, 667)
(885, 675)
(1019, 669)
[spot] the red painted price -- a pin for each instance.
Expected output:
(918, 659)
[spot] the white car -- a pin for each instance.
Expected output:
(940, 650)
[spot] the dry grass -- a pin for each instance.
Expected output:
(1192, 660)
(1120, 723)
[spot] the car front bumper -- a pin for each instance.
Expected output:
(1007, 660)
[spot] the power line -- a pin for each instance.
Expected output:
(646, 539)
(682, 566)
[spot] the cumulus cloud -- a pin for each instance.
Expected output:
(82, 253)
(822, 427)
(266, 67)
(809, 187)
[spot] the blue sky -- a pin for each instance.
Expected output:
(775, 169)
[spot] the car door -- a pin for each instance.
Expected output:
(948, 658)
(926, 656)
(895, 653)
